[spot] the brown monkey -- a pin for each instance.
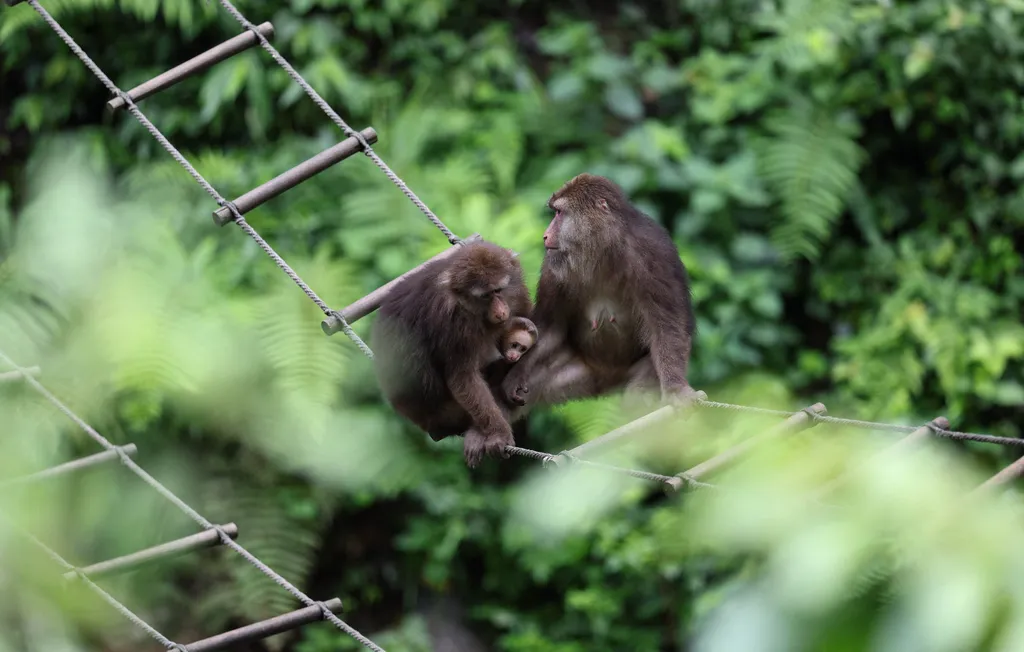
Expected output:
(434, 336)
(613, 304)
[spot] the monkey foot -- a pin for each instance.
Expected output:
(477, 445)
(684, 398)
(517, 395)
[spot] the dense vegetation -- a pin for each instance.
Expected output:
(843, 182)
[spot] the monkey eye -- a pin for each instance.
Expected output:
(558, 213)
(496, 291)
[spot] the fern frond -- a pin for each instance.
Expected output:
(286, 544)
(811, 161)
(592, 418)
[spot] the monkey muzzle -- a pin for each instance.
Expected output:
(498, 312)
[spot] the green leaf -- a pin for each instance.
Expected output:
(623, 101)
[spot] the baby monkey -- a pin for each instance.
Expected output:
(518, 337)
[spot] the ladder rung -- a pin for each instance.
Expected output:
(196, 64)
(794, 424)
(205, 539)
(294, 176)
(362, 307)
(10, 376)
(73, 465)
(1008, 474)
(612, 436)
(11, 3)
(264, 628)
(912, 439)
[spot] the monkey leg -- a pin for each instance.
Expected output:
(446, 420)
(643, 388)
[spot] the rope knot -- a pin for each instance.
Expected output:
(324, 611)
(565, 458)
(122, 456)
(252, 28)
(230, 205)
(128, 103)
(815, 417)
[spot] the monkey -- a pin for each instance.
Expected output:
(518, 337)
(436, 334)
(605, 261)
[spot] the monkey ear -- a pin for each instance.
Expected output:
(602, 203)
(513, 253)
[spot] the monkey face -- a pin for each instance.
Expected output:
(478, 279)
(484, 297)
(497, 309)
(517, 343)
(583, 219)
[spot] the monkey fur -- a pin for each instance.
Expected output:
(613, 304)
(436, 334)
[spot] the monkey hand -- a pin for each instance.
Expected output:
(478, 444)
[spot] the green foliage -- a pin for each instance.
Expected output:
(841, 179)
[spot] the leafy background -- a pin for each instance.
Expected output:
(842, 180)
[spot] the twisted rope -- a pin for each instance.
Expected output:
(562, 458)
(868, 425)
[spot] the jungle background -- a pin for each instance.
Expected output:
(842, 179)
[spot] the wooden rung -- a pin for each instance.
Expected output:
(264, 628)
(912, 439)
(196, 64)
(73, 465)
(631, 428)
(1007, 475)
(294, 176)
(206, 539)
(362, 307)
(11, 376)
(794, 424)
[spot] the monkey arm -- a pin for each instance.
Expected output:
(669, 346)
(469, 389)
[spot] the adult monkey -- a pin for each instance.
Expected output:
(436, 337)
(613, 304)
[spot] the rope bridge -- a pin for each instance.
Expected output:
(233, 211)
